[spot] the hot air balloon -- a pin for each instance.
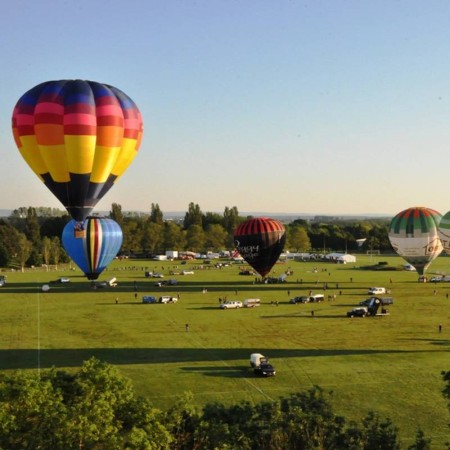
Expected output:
(97, 246)
(444, 232)
(413, 234)
(79, 137)
(260, 242)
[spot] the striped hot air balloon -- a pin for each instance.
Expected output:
(78, 137)
(260, 242)
(96, 247)
(444, 232)
(413, 234)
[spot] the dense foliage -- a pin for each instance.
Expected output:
(97, 408)
(31, 236)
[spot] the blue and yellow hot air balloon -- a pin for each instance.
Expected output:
(78, 137)
(413, 234)
(260, 242)
(96, 247)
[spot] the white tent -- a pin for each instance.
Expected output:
(341, 258)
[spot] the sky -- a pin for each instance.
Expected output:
(320, 107)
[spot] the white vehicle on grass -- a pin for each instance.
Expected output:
(231, 304)
(256, 358)
(377, 290)
(167, 299)
(252, 302)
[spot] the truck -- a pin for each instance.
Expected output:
(261, 365)
(384, 301)
(370, 310)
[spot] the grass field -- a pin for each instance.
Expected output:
(389, 364)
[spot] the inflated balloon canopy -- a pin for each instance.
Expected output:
(79, 137)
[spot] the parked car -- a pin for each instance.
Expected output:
(436, 279)
(302, 299)
(308, 299)
(148, 299)
(61, 280)
(360, 311)
(377, 290)
(265, 369)
(230, 304)
(167, 299)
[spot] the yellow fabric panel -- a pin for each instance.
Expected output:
(55, 160)
(32, 155)
(80, 152)
(126, 156)
(105, 158)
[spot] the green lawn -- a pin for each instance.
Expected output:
(389, 364)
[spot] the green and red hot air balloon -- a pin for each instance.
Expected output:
(413, 234)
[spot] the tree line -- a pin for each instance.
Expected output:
(32, 236)
(97, 408)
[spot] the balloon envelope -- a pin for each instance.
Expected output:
(260, 242)
(413, 234)
(444, 231)
(95, 247)
(78, 137)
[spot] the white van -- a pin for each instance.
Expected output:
(256, 359)
(377, 290)
(252, 302)
(167, 299)
(231, 304)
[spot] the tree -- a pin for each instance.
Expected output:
(231, 218)
(156, 215)
(152, 237)
(174, 236)
(195, 237)
(9, 238)
(183, 421)
(46, 250)
(32, 228)
(24, 247)
(297, 239)
(116, 214)
(211, 218)
(193, 216)
(379, 434)
(132, 236)
(421, 442)
(215, 237)
(54, 226)
(55, 250)
(95, 408)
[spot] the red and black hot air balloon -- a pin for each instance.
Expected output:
(260, 242)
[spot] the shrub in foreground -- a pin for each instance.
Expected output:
(97, 408)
